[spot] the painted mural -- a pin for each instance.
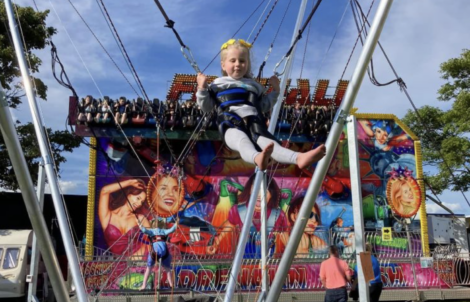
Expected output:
(206, 189)
(213, 185)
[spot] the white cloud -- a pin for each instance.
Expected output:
(66, 187)
(434, 208)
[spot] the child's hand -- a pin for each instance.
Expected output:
(201, 81)
(274, 82)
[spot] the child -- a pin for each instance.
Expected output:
(159, 250)
(240, 101)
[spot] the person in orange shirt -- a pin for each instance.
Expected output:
(335, 274)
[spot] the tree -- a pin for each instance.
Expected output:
(445, 135)
(36, 36)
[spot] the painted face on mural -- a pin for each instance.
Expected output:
(258, 200)
(407, 197)
(404, 196)
(136, 201)
(312, 222)
(381, 136)
(340, 222)
(167, 197)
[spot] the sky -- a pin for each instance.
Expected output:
(418, 36)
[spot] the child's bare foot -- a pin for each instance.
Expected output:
(304, 160)
(142, 288)
(262, 159)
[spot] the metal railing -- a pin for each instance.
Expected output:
(190, 251)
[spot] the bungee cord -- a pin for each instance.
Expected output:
(102, 46)
(99, 42)
(123, 50)
(264, 22)
(118, 45)
(299, 36)
(186, 51)
(370, 70)
(257, 22)
(268, 53)
(63, 79)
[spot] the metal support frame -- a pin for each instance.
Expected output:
(25, 183)
(237, 261)
(355, 175)
(70, 249)
(331, 144)
(264, 240)
(33, 272)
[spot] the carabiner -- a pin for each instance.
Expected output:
(277, 65)
(190, 58)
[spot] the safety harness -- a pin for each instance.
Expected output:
(254, 125)
(159, 238)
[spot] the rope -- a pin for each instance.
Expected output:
(102, 46)
(299, 36)
(111, 112)
(184, 49)
(260, 72)
(357, 39)
(134, 72)
(170, 23)
(64, 82)
(118, 126)
(264, 22)
(257, 22)
(370, 72)
(117, 43)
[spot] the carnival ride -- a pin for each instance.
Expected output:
(221, 245)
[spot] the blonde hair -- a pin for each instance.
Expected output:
(237, 44)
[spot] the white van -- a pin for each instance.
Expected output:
(15, 257)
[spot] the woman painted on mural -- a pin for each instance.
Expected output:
(172, 194)
(230, 214)
(168, 200)
(310, 244)
(384, 133)
(117, 211)
(165, 193)
(404, 196)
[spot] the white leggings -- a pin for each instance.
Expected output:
(238, 141)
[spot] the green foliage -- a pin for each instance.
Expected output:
(445, 135)
(36, 36)
(61, 141)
